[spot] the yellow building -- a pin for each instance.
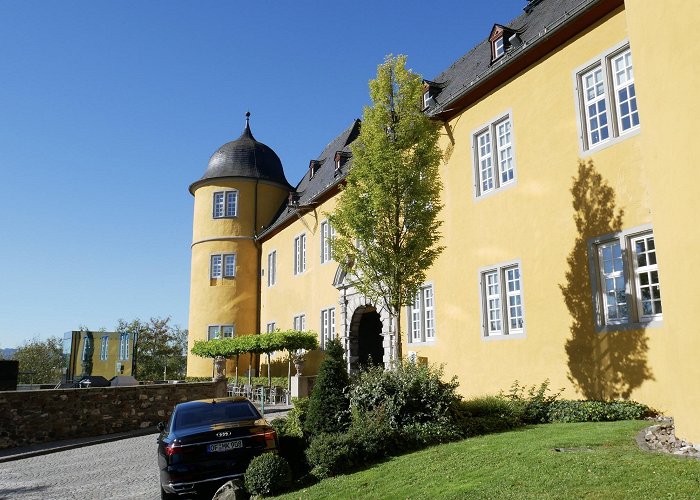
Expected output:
(568, 207)
(104, 354)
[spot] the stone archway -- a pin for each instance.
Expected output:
(366, 339)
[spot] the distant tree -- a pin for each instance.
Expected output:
(391, 201)
(161, 349)
(329, 404)
(43, 358)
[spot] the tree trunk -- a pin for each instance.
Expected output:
(269, 380)
(399, 349)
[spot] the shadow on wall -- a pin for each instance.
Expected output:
(601, 365)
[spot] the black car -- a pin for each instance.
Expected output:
(210, 441)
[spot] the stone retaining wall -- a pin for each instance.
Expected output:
(31, 417)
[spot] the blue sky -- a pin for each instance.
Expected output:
(110, 109)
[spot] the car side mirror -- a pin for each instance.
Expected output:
(160, 426)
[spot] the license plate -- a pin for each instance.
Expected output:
(227, 446)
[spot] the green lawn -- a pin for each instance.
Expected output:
(605, 464)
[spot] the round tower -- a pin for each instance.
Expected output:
(241, 191)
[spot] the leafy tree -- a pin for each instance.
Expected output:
(161, 349)
(44, 358)
(328, 404)
(391, 201)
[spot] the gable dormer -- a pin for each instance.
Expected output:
(314, 165)
(499, 41)
(430, 92)
(341, 158)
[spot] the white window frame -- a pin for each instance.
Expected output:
(299, 322)
(499, 48)
(104, 348)
(421, 316)
(327, 326)
(631, 273)
(272, 268)
(300, 254)
(610, 94)
(225, 204)
(327, 236)
(426, 98)
(270, 327)
(502, 301)
(493, 149)
(220, 265)
(221, 331)
(123, 346)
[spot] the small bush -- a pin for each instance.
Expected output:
(597, 411)
(330, 454)
(408, 394)
(488, 414)
(267, 474)
(535, 401)
(296, 418)
(328, 404)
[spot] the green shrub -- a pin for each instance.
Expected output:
(534, 401)
(328, 404)
(330, 454)
(267, 474)
(487, 414)
(296, 418)
(408, 394)
(417, 436)
(597, 411)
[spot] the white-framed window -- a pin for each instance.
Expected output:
(271, 327)
(299, 322)
(502, 300)
(327, 236)
(223, 265)
(225, 204)
(498, 48)
(272, 268)
(300, 254)
(494, 158)
(220, 331)
(327, 326)
(123, 346)
(104, 348)
(626, 278)
(421, 316)
(426, 98)
(607, 98)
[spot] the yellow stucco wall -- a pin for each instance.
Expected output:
(227, 301)
(106, 368)
(306, 293)
(667, 73)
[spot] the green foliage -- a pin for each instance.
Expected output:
(297, 417)
(487, 414)
(598, 411)
(331, 454)
(290, 340)
(268, 474)
(161, 348)
(409, 394)
(328, 404)
(391, 201)
(535, 401)
(44, 358)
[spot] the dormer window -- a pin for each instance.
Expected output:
(314, 165)
(341, 157)
(498, 48)
(502, 38)
(430, 92)
(293, 200)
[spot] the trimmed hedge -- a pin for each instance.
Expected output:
(598, 411)
(268, 474)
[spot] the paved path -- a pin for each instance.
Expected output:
(123, 469)
(118, 469)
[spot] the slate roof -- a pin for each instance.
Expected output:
(539, 19)
(325, 177)
(245, 157)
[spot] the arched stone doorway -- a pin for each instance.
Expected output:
(366, 340)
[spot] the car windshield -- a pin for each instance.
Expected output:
(215, 413)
